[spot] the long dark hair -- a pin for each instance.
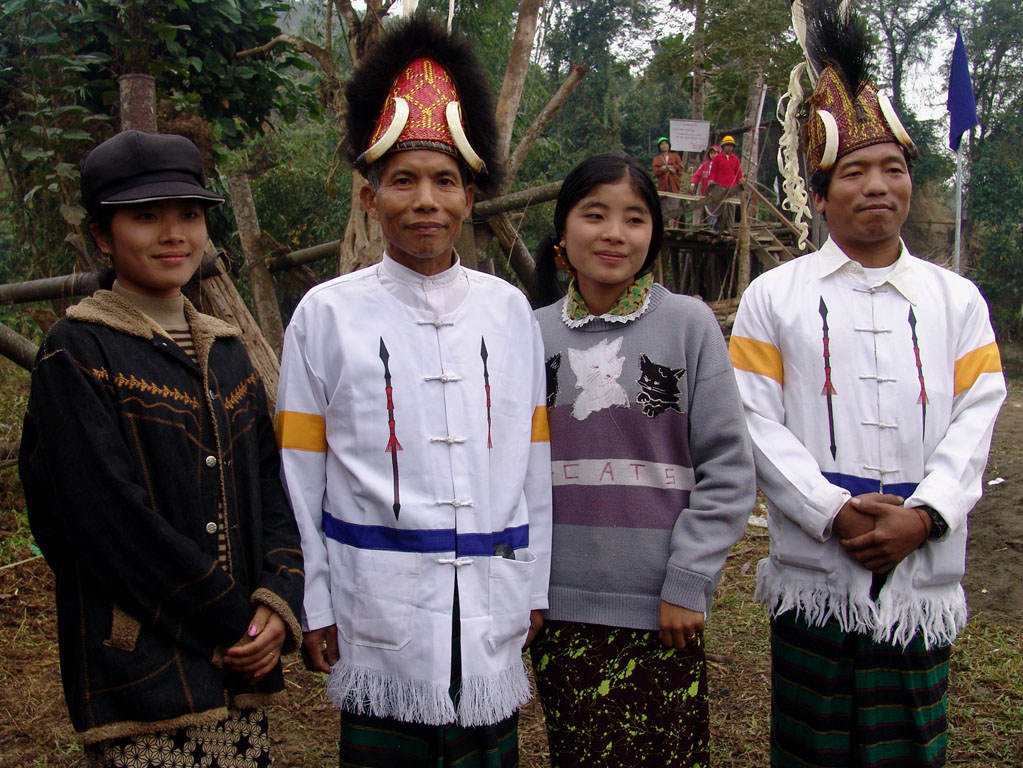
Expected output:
(609, 168)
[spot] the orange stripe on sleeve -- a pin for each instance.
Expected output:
(981, 360)
(541, 429)
(301, 431)
(756, 357)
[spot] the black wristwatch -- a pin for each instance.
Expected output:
(938, 525)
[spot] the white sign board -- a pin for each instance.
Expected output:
(689, 135)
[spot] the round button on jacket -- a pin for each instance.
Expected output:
(211, 527)
(211, 461)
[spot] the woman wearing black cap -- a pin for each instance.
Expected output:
(151, 481)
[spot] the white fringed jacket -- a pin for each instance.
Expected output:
(415, 446)
(851, 388)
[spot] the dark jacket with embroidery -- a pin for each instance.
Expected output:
(137, 463)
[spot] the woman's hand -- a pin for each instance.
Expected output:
(257, 654)
(535, 625)
(679, 626)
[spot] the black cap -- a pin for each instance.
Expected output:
(136, 167)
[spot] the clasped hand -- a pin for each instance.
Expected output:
(878, 532)
(257, 654)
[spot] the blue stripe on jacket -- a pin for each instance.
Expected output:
(435, 540)
(857, 486)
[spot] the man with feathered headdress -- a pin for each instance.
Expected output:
(871, 382)
(414, 436)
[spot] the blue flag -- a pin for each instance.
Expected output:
(962, 107)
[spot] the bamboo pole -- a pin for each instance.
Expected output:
(77, 284)
(511, 202)
(17, 348)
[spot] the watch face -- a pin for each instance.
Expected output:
(938, 524)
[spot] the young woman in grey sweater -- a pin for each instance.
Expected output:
(653, 480)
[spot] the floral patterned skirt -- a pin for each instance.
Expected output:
(239, 741)
(618, 697)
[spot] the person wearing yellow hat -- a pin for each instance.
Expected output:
(871, 381)
(412, 422)
(725, 175)
(667, 168)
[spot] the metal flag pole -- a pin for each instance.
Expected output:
(959, 203)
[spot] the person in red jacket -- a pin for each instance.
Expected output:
(700, 179)
(725, 174)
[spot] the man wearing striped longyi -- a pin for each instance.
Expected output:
(413, 429)
(871, 382)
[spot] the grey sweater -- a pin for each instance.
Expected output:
(651, 463)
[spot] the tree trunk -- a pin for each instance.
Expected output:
(515, 78)
(550, 109)
(750, 144)
(218, 296)
(363, 241)
(750, 155)
(264, 293)
(743, 252)
(699, 97)
(138, 102)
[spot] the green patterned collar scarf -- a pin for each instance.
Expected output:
(630, 302)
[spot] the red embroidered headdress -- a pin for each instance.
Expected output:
(421, 88)
(845, 112)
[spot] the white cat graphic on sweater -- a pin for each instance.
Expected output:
(597, 371)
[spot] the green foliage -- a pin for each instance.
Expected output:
(996, 210)
(59, 60)
(587, 32)
(995, 193)
(299, 206)
(663, 91)
(490, 24)
(742, 35)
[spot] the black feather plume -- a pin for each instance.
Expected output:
(408, 40)
(840, 40)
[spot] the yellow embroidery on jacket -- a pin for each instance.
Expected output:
(141, 385)
(239, 393)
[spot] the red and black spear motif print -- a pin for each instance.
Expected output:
(486, 386)
(922, 400)
(393, 446)
(829, 388)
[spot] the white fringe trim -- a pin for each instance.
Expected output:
(937, 619)
(483, 700)
(368, 692)
(896, 618)
(487, 700)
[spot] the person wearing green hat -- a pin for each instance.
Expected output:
(667, 168)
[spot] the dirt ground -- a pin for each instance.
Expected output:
(994, 561)
(34, 729)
